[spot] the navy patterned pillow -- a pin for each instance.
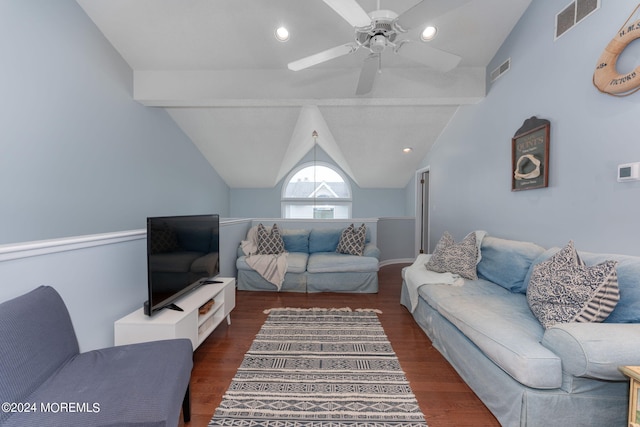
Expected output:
(270, 241)
(457, 258)
(352, 240)
(563, 289)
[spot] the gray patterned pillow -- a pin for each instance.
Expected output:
(352, 240)
(563, 289)
(457, 258)
(270, 242)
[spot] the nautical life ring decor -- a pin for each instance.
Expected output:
(606, 77)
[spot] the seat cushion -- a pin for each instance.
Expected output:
(137, 384)
(332, 262)
(500, 323)
(296, 262)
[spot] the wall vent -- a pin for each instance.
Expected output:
(500, 70)
(574, 13)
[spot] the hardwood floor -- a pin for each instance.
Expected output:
(444, 398)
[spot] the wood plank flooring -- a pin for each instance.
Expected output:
(444, 398)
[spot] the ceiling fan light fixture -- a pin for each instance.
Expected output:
(429, 33)
(282, 34)
(378, 43)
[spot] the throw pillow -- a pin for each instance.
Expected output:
(352, 240)
(457, 258)
(563, 289)
(270, 242)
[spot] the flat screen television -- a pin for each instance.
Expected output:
(182, 254)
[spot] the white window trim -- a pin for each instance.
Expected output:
(342, 201)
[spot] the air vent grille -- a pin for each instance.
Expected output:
(573, 14)
(500, 70)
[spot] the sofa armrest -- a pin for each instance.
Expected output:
(594, 350)
(371, 250)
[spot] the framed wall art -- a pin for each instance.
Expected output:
(530, 155)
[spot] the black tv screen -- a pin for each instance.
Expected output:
(182, 254)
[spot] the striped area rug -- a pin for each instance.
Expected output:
(320, 367)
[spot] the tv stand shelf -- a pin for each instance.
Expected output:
(189, 323)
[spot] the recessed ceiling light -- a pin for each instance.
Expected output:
(407, 150)
(282, 34)
(428, 33)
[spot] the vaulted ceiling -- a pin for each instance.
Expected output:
(218, 70)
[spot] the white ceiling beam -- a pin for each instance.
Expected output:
(247, 88)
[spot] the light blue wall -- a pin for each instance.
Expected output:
(367, 203)
(77, 154)
(396, 239)
(591, 133)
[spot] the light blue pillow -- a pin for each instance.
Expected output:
(324, 240)
(296, 240)
(506, 262)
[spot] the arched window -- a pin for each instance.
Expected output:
(316, 190)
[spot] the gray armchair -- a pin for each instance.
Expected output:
(45, 380)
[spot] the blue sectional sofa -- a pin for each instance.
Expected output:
(46, 381)
(525, 374)
(313, 265)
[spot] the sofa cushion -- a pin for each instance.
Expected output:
(457, 258)
(506, 262)
(270, 241)
(594, 350)
(324, 239)
(131, 385)
(562, 289)
(332, 262)
(296, 262)
(352, 240)
(500, 323)
(295, 240)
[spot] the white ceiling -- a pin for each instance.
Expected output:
(221, 74)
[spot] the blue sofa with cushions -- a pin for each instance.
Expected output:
(313, 265)
(46, 381)
(526, 374)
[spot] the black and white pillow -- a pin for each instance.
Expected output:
(352, 240)
(563, 289)
(457, 258)
(270, 241)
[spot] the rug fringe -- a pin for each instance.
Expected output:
(344, 309)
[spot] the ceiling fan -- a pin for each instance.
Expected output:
(378, 31)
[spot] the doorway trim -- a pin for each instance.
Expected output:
(419, 210)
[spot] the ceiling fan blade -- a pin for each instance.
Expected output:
(350, 12)
(368, 74)
(426, 11)
(323, 56)
(429, 56)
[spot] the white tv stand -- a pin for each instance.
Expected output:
(189, 323)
